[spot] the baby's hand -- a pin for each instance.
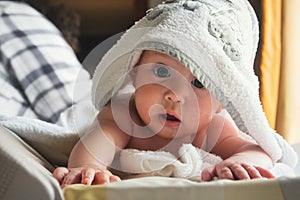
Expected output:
(235, 171)
(84, 175)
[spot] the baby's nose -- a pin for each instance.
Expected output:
(174, 97)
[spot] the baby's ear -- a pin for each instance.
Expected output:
(134, 64)
(132, 75)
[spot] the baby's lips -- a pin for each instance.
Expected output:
(171, 115)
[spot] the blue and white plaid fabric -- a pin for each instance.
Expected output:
(40, 76)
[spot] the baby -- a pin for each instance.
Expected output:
(182, 84)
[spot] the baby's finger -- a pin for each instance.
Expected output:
(60, 173)
(239, 172)
(225, 173)
(71, 178)
(87, 176)
(114, 178)
(264, 172)
(208, 174)
(252, 171)
(101, 178)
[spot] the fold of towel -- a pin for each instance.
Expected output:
(189, 164)
(217, 42)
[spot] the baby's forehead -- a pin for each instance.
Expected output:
(148, 55)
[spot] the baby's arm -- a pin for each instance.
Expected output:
(94, 152)
(242, 159)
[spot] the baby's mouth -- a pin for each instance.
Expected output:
(170, 117)
(170, 120)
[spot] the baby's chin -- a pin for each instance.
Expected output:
(166, 136)
(173, 134)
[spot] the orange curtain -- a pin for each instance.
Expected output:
(280, 66)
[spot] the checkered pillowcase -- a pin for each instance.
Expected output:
(38, 69)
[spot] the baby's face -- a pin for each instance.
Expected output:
(169, 99)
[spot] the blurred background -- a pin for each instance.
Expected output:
(92, 21)
(87, 23)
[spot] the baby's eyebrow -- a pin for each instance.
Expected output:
(162, 64)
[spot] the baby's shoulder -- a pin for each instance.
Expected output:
(223, 124)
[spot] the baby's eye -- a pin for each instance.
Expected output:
(197, 83)
(161, 71)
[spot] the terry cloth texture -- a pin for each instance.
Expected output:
(38, 69)
(189, 164)
(217, 42)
